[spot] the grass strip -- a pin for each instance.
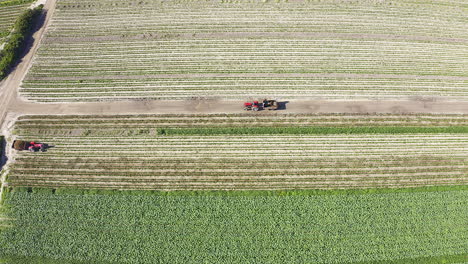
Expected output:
(311, 130)
(237, 193)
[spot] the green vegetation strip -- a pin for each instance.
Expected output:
(375, 227)
(237, 192)
(16, 43)
(310, 130)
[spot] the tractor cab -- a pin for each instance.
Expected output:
(255, 106)
(34, 146)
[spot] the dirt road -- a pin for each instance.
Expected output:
(214, 106)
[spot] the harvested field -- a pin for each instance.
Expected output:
(132, 153)
(166, 50)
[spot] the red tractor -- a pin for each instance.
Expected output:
(255, 106)
(265, 104)
(31, 146)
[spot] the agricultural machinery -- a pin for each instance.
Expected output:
(31, 146)
(266, 104)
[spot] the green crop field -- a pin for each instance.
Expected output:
(424, 227)
(334, 50)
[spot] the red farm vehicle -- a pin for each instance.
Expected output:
(29, 145)
(265, 104)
